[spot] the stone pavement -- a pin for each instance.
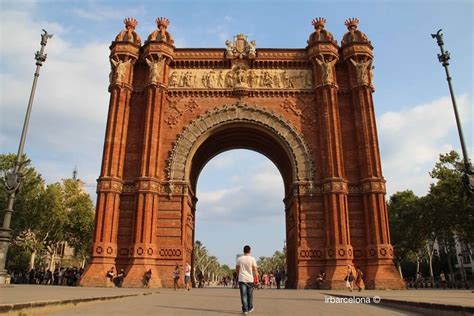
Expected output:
(22, 293)
(35, 299)
(213, 301)
(226, 301)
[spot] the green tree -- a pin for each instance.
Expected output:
(25, 210)
(404, 219)
(80, 224)
(270, 264)
(53, 221)
(45, 217)
(446, 203)
(417, 224)
(446, 209)
(26, 200)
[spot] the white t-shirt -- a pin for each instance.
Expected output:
(187, 271)
(245, 264)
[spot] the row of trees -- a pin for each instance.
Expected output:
(423, 226)
(46, 218)
(270, 264)
(208, 265)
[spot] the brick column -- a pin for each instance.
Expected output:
(144, 250)
(334, 190)
(323, 53)
(104, 249)
(380, 271)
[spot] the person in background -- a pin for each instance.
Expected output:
(320, 279)
(442, 279)
(176, 277)
(278, 278)
(187, 276)
(359, 279)
(119, 278)
(349, 278)
(147, 278)
(110, 275)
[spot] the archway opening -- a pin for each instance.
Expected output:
(240, 196)
(248, 127)
(276, 159)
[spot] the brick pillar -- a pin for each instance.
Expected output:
(338, 252)
(144, 249)
(379, 270)
(104, 248)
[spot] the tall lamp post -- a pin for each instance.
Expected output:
(468, 176)
(13, 178)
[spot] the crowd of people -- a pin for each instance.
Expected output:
(69, 276)
(270, 280)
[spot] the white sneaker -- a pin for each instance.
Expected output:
(251, 310)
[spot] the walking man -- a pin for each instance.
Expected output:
(246, 270)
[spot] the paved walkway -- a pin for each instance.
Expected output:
(218, 301)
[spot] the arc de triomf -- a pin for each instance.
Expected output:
(310, 111)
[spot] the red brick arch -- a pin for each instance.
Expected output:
(308, 110)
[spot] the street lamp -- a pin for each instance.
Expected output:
(468, 177)
(13, 178)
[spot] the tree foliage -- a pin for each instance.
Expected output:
(80, 224)
(404, 219)
(418, 223)
(446, 203)
(45, 217)
(270, 264)
(27, 199)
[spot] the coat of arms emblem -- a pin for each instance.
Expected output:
(240, 47)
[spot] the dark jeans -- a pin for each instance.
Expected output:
(246, 295)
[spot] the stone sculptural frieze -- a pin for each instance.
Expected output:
(240, 77)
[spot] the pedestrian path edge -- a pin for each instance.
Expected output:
(17, 307)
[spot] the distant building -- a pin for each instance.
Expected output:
(463, 260)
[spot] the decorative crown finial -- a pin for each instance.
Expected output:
(318, 22)
(351, 23)
(161, 21)
(130, 22)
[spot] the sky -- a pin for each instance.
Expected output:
(412, 104)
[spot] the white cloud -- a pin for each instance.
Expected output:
(412, 139)
(218, 196)
(221, 162)
(256, 193)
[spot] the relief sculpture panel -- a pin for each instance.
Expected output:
(241, 77)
